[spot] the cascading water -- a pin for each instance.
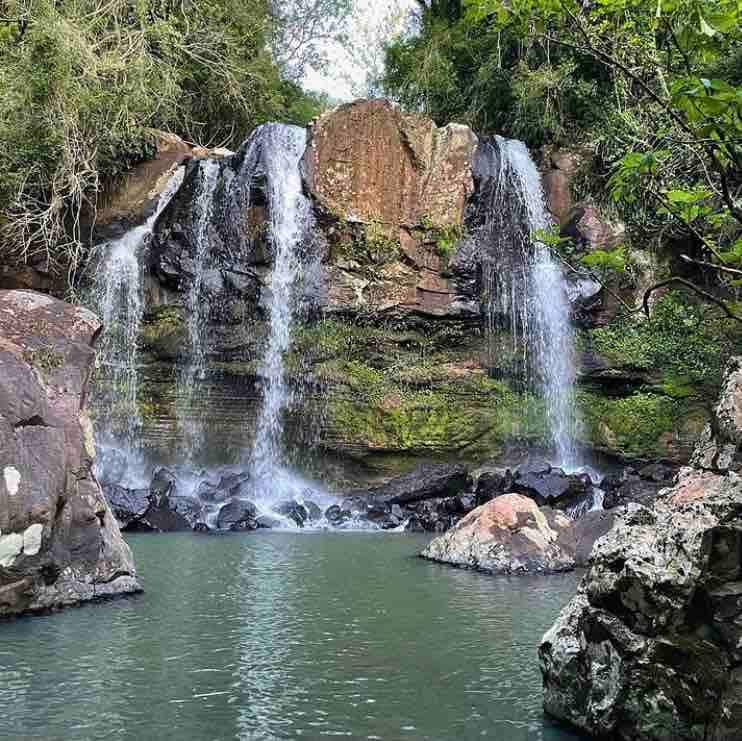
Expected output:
(197, 305)
(119, 296)
(290, 223)
(526, 300)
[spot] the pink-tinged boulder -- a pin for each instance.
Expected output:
(59, 541)
(508, 535)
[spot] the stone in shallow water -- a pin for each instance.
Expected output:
(239, 514)
(508, 535)
(294, 511)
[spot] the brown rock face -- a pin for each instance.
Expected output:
(508, 535)
(128, 204)
(59, 542)
(369, 162)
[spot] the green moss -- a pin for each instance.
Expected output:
(473, 414)
(164, 331)
(643, 425)
(683, 344)
(446, 238)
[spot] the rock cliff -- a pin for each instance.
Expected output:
(650, 646)
(394, 329)
(59, 542)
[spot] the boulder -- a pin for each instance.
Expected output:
(129, 505)
(650, 646)
(294, 511)
(59, 541)
(720, 447)
(429, 481)
(336, 516)
(239, 514)
(368, 161)
(136, 193)
(508, 535)
(629, 486)
(547, 485)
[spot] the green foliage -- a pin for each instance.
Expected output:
(652, 88)
(83, 84)
(682, 344)
(638, 426)
(613, 261)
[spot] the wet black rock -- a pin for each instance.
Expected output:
(629, 486)
(336, 516)
(294, 511)
(314, 511)
(491, 483)
(128, 505)
(163, 483)
(552, 487)
(238, 514)
(429, 481)
(201, 527)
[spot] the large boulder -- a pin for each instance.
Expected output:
(429, 481)
(650, 646)
(368, 161)
(508, 535)
(59, 541)
(720, 447)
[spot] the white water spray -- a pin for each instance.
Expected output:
(526, 285)
(119, 295)
(197, 306)
(290, 221)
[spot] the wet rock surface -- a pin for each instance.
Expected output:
(59, 541)
(508, 535)
(650, 646)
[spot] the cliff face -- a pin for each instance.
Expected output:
(59, 542)
(650, 646)
(393, 326)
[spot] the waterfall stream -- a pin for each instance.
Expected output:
(289, 224)
(526, 301)
(119, 294)
(197, 305)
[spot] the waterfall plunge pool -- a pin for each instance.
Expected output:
(284, 636)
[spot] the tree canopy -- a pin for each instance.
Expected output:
(652, 88)
(83, 83)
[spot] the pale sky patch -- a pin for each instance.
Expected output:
(346, 74)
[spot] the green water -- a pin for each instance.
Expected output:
(283, 636)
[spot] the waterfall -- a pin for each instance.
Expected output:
(120, 300)
(289, 224)
(198, 306)
(526, 302)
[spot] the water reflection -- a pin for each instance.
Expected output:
(285, 636)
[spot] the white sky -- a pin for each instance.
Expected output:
(345, 75)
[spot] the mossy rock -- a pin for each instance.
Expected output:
(164, 333)
(641, 426)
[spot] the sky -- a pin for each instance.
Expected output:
(345, 76)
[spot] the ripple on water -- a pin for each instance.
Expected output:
(287, 636)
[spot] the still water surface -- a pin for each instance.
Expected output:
(287, 636)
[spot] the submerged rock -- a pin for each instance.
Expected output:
(59, 541)
(508, 535)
